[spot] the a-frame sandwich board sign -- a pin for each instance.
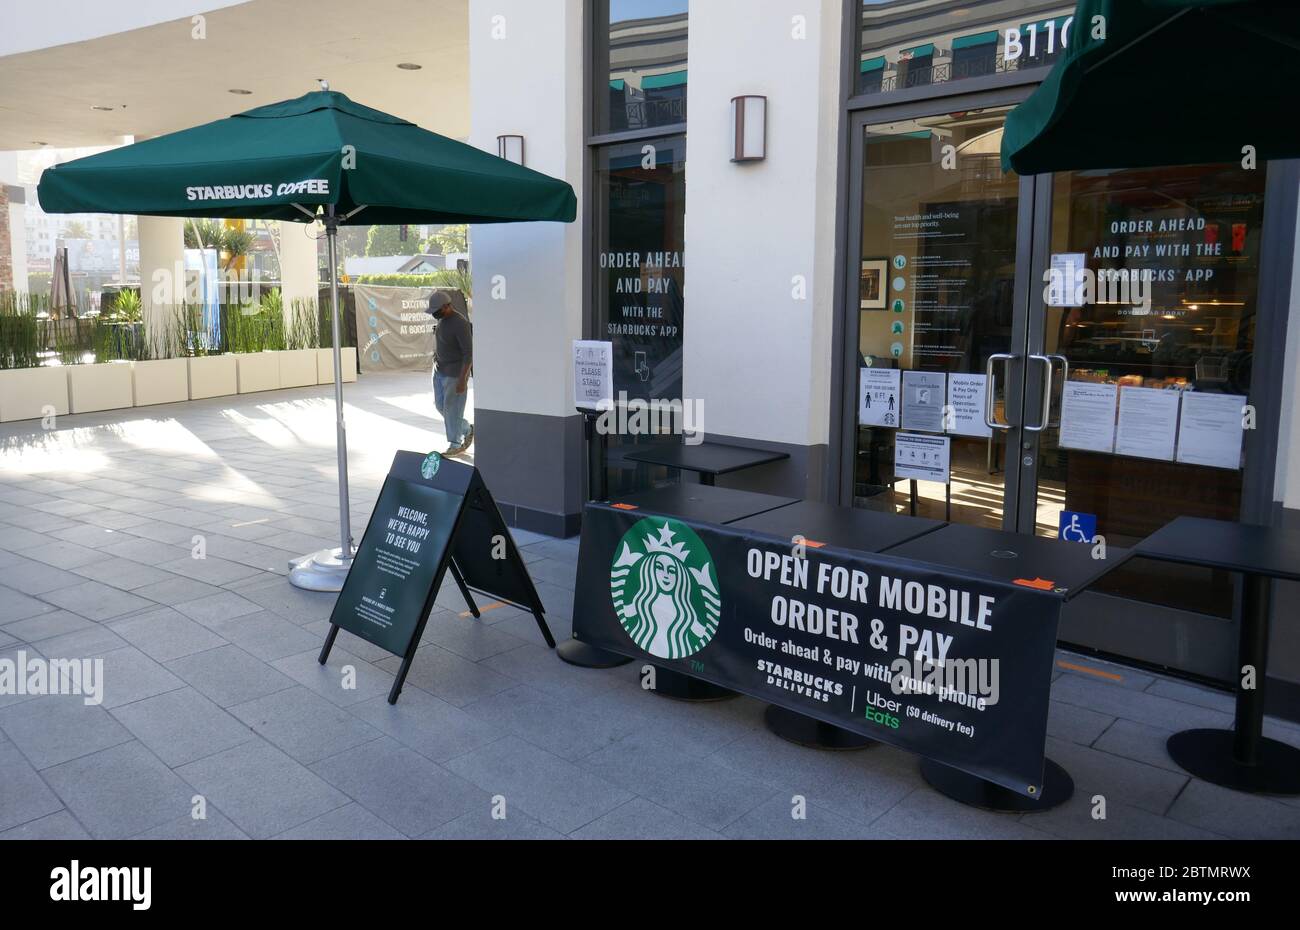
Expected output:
(433, 515)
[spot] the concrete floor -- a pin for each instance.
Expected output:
(213, 698)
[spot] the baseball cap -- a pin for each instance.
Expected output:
(437, 300)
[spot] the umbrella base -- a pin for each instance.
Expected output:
(319, 571)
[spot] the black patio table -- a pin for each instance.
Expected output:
(1056, 568)
(822, 525)
(701, 502)
(1241, 758)
(708, 459)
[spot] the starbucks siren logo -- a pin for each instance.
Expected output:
(429, 467)
(662, 583)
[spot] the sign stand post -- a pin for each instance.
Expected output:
(433, 515)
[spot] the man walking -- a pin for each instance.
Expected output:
(453, 359)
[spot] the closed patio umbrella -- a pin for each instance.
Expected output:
(318, 157)
(1173, 82)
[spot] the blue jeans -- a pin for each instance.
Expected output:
(451, 406)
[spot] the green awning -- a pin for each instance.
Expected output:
(917, 51)
(983, 38)
(617, 84)
(872, 64)
(668, 79)
(1170, 82)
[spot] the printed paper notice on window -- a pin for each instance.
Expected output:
(966, 398)
(878, 397)
(593, 374)
(1065, 279)
(1210, 429)
(924, 458)
(1088, 416)
(923, 400)
(1148, 423)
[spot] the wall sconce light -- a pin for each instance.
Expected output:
(749, 115)
(511, 148)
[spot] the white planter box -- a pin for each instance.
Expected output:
(106, 386)
(258, 371)
(325, 365)
(161, 381)
(213, 376)
(25, 393)
(297, 367)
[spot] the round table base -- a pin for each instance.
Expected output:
(576, 652)
(669, 683)
(1208, 754)
(974, 791)
(796, 728)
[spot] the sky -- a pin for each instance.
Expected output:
(620, 10)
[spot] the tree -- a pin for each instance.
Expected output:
(75, 230)
(387, 240)
(448, 240)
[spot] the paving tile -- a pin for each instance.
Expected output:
(332, 681)
(37, 578)
(1077, 819)
(57, 826)
(95, 601)
(640, 819)
(1235, 814)
(265, 635)
(223, 606)
(1151, 709)
(556, 792)
(130, 675)
(410, 793)
(304, 724)
(569, 731)
(1116, 778)
(1076, 724)
(96, 640)
(213, 826)
(51, 730)
(1193, 694)
(119, 792)
(542, 669)
(63, 554)
(262, 790)
(426, 724)
(926, 814)
(25, 797)
(148, 551)
(45, 626)
(352, 822)
(1139, 742)
(15, 606)
(446, 675)
(467, 638)
(229, 675)
(704, 792)
(211, 570)
(123, 574)
(479, 824)
(176, 589)
(776, 820)
(181, 726)
(164, 634)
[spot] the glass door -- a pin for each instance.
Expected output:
(1143, 326)
(941, 266)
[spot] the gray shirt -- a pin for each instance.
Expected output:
(453, 345)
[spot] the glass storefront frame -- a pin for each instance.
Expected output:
(1200, 646)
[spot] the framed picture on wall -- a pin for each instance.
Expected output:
(871, 285)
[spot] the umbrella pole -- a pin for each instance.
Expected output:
(327, 569)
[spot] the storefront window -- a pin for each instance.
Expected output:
(1168, 334)
(640, 214)
(640, 66)
(905, 43)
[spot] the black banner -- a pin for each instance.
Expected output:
(951, 667)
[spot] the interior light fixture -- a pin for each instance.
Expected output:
(409, 66)
(240, 91)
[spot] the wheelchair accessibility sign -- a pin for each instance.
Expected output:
(1078, 527)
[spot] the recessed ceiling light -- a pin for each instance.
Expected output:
(39, 142)
(240, 91)
(409, 66)
(98, 107)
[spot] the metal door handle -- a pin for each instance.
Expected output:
(988, 390)
(1044, 413)
(1065, 377)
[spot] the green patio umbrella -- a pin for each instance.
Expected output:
(1172, 82)
(318, 157)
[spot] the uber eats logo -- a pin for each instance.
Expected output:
(882, 710)
(664, 589)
